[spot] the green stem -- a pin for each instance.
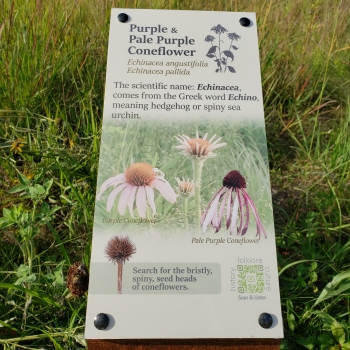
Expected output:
(30, 257)
(185, 212)
(197, 175)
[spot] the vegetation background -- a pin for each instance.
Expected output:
(126, 143)
(52, 73)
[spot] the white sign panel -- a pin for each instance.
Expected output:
(183, 240)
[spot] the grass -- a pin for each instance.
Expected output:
(52, 72)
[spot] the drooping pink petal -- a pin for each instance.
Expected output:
(141, 201)
(165, 190)
(229, 209)
(150, 197)
(233, 226)
(112, 181)
(212, 211)
(246, 214)
(123, 199)
(131, 199)
(221, 213)
(114, 194)
(240, 211)
(208, 206)
(259, 224)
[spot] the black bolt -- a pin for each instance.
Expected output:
(101, 321)
(123, 17)
(265, 320)
(244, 21)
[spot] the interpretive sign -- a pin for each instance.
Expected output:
(183, 239)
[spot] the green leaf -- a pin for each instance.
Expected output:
(345, 346)
(329, 290)
(79, 338)
(30, 278)
(307, 343)
(45, 207)
(53, 210)
(290, 315)
(47, 184)
(325, 339)
(284, 344)
(18, 188)
(22, 271)
(154, 160)
(59, 281)
(7, 213)
(32, 192)
(292, 264)
(42, 298)
(23, 180)
(39, 189)
(331, 324)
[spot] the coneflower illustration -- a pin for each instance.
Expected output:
(118, 250)
(186, 190)
(235, 199)
(198, 149)
(137, 182)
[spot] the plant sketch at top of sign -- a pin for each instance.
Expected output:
(222, 57)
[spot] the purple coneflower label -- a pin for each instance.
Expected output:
(183, 238)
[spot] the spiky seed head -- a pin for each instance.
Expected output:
(140, 174)
(78, 279)
(119, 249)
(234, 180)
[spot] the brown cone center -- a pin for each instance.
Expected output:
(234, 180)
(202, 146)
(140, 174)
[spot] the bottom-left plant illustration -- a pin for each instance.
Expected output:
(118, 250)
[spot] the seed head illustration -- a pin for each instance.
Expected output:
(118, 250)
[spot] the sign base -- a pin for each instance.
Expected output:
(184, 344)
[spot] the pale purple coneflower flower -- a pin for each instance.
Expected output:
(235, 199)
(138, 181)
(199, 147)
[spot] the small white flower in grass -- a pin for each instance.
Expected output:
(138, 182)
(199, 147)
(234, 198)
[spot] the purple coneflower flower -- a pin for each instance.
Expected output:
(198, 148)
(209, 38)
(233, 36)
(237, 202)
(219, 29)
(137, 182)
(185, 187)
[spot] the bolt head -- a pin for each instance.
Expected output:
(265, 320)
(101, 321)
(244, 21)
(123, 17)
